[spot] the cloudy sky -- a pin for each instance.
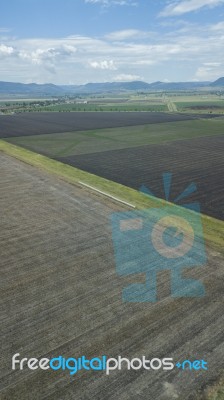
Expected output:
(80, 41)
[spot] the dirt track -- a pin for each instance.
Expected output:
(61, 296)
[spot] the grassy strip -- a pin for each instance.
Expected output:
(101, 107)
(213, 228)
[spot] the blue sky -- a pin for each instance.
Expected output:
(80, 41)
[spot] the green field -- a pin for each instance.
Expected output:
(181, 101)
(196, 103)
(201, 106)
(68, 143)
(213, 228)
(194, 96)
(98, 104)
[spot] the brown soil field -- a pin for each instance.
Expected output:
(60, 295)
(199, 160)
(58, 122)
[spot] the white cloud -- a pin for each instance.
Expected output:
(127, 34)
(67, 49)
(195, 54)
(212, 64)
(103, 64)
(40, 56)
(144, 62)
(5, 50)
(126, 78)
(218, 27)
(186, 6)
(209, 71)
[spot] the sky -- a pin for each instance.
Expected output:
(80, 41)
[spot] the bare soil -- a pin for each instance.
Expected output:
(60, 295)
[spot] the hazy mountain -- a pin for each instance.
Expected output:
(30, 88)
(134, 86)
(219, 82)
(108, 87)
(11, 88)
(178, 85)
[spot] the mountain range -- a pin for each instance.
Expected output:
(11, 88)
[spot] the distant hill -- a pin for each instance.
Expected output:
(48, 89)
(108, 87)
(178, 85)
(134, 86)
(219, 82)
(30, 88)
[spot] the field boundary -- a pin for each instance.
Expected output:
(107, 195)
(213, 228)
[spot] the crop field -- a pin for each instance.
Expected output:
(46, 123)
(165, 101)
(199, 104)
(200, 161)
(206, 103)
(196, 97)
(191, 150)
(57, 268)
(91, 141)
(203, 106)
